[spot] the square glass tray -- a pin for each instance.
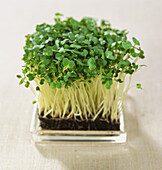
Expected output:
(111, 136)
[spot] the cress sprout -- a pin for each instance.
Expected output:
(80, 68)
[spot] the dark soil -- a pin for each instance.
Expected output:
(72, 124)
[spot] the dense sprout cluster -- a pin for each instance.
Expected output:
(72, 50)
(73, 63)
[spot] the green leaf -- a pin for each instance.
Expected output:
(143, 65)
(37, 88)
(71, 64)
(27, 84)
(123, 63)
(19, 76)
(48, 51)
(34, 102)
(53, 85)
(85, 52)
(53, 67)
(58, 85)
(103, 56)
(62, 82)
(108, 84)
(22, 81)
(109, 55)
(138, 86)
(113, 44)
(66, 77)
(136, 42)
(141, 55)
(92, 67)
(101, 62)
(119, 80)
(94, 39)
(54, 48)
(64, 41)
(37, 47)
(62, 50)
(109, 74)
(91, 61)
(71, 36)
(42, 81)
(134, 66)
(68, 74)
(48, 79)
(45, 62)
(36, 61)
(102, 41)
(59, 57)
(86, 42)
(79, 62)
(57, 43)
(30, 77)
(58, 14)
(75, 46)
(65, 62)
(135, 54)
(126, 45)
(49, 40)
(80, 38)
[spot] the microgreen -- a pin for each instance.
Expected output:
(69, 49)
(34, 102)
(90, 60)
(138, 86)
(19, 76)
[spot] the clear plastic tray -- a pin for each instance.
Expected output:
(40, 135)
